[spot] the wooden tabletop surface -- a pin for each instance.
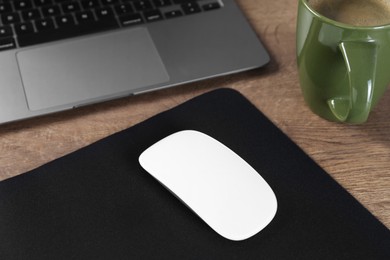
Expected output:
(357, 156)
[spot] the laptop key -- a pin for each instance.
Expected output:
(109, 2)
(130, 19)
(7, 43)
(105, 13)
(44, 24)
(6, 31)
(65, 21)
(142, 5)
(88, 4)
(161, 3)
(85, 17)
(153, 15)
(43, 2)
(174, 13)
(31, 14)
(24, 28)
(10, 18)
(211, 6)
(5, 8)
(70, 7)
(22, 4)
(51, 10)
(191, 8)
(123, 9)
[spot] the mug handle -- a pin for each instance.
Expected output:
(361, 60)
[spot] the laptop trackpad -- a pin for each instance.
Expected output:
(90, 69)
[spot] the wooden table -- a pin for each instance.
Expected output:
(358, 157)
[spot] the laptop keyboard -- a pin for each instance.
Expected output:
(28, 22)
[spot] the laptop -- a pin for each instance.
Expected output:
(62, 54)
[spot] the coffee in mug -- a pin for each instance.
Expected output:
(354, 12)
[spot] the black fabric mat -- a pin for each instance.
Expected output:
(98, 203)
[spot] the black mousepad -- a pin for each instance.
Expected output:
(98, 203)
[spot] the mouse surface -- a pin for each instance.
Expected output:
(213, 181)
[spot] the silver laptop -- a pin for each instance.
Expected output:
(61, 54)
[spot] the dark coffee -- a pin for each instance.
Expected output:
(354, 12)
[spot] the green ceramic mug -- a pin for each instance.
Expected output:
(343, 50)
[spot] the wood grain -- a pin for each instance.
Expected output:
(358, 157)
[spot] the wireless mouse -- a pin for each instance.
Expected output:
(213, 181)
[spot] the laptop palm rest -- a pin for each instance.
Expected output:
(90, 69)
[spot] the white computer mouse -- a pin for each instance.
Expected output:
(213, 181)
